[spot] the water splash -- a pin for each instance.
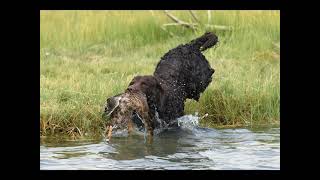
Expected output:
(189, 122)
(163, 124)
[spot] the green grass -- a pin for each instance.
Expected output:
(87, 56)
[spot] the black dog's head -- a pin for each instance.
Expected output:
(199, 83)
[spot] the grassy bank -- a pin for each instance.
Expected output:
(87, 56)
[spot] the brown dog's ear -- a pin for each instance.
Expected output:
(111, 104)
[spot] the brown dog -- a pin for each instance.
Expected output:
(122, 108)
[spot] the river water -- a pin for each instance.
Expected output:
(188, 147)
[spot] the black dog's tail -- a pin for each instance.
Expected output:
(205, 41)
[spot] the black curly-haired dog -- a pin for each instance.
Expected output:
(182, 73)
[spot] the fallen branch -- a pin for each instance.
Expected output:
(193, 26)
(194, 16)
(219, 27)
(177, 24)
(175, 19)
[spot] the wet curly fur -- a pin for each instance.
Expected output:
(182, 73)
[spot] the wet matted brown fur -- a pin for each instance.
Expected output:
(123, 107)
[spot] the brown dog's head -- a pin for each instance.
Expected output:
(127, 111)
(150, 86)
(145, 84)
(130, 110)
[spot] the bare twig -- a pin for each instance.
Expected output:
(194, 16)
(177, 24)
(175, 19)
(219, 27)
(79, 131)
(204, 116)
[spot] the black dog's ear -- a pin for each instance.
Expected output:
(212, 71)
(197, 97)
(158, 85)
(155, 89)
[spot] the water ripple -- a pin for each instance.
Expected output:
(189, 147)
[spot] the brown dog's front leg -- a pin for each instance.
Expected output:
(149, 128)
(150, 132)
(150, 136)
(130, 126)
(150, 140)
(109, 132)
